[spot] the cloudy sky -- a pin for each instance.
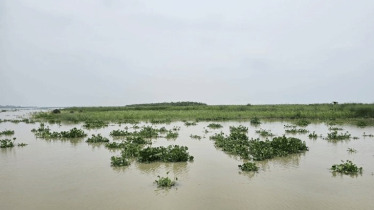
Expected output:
(118, 52)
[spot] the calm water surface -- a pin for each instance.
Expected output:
(72, 174)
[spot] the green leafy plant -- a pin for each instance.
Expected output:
(248, 167)
(352, 150)
(165, 181)
(264, 133)
(95, 124)
(295, 130)
(255, 121)
(367, 135)
(97, 138)
(172, 153)
(313, 135)
(7, 132)
(172, 135)
(346, 168)
(214, 126)
(303, 123)
(240, 129)
(186, 123)
(335, 129)
(119, 161)
(4, 143)
(195, 137)
(335, 136)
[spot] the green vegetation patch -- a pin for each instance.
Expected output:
(264, 133)
(195, 137)
(172, 153)
(255, 121)
(119, 161)
(334, 135)
(165, 182)
(214, 126)
(296, 130)
(240, 129)
(248, 167)
(91, 124)
(346, 168)
(313, 135)
(97, 139)
(4, 143)
(7, 132)
(45, 132)
(303, 123)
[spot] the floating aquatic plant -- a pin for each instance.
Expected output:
(214, 126)
(264, 133)
(95, 124)
(195, 137)
(7, 132)
(165, 181)
(346, 168)
(351, 150)
(172, 153)
(334, 135)
(239, 128)
(248, 167)
(97, 138)
(295, 130)
(255, 121)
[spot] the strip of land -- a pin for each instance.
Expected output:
(203, 112)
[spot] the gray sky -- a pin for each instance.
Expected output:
(118, 52)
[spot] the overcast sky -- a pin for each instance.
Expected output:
(118, 52)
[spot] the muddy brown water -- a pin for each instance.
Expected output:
(72, 174)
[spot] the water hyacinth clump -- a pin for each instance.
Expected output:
(45, 132)
(186, 123)
(4, 143)
(195, 137)
(171, 135)
(255, 121)
(303, 123)
(119, 161)
(351, 150)
(95, 124)
(248, 167)
(346, 168)
(335, 136)
(279, 146)
(97, 138)
(240, 129)
(295, 130)
(7, 132)
(165, 181)
(264, 133)
(214, 126)
(172, 153)
(313, 135)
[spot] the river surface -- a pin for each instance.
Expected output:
(72, 174)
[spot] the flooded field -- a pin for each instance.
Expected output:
(70, 173)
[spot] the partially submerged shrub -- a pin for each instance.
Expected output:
(240, 129)
(195, 137)
(313, 135)
(97, 138)
(165, 181)
(172, 135)
(255, 121)
(45, 132)
(264, 133)
(295, 130)
(214, 126)
(248, 167)
(172, 153)
(4, 143)
(351, 150)
(335, 136)
(95, 124)
(361, 123)
(303, 123)
(119, 161)
(7, 132)
(346, 168)
(189, 123)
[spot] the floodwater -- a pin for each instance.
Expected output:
(72, 174)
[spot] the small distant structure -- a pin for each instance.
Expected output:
(335, 102)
